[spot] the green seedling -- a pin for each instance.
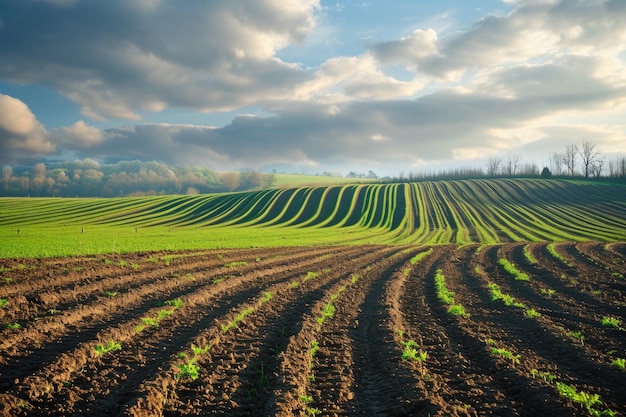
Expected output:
(238, 318)
(267, 295)
(110, 294)
(311, 275)
(531, 313)
(609, 321)
(150, 321)
(111, 346)
(315, 347)
(549, 292)
(188, 370)
(306, 399)
(511, 269)
(457, 310)
(508, 300)
(293, 284)
(586, 399)
(236, 264)
(546, 376)
(617, 275)
(578, 336)
(410, 352)
(515, 359)
(198, 351)
(12, 326)
(529, 256)
(619, 363)
(176, 303)
(313, 411)
(3, 302)
(418, 258)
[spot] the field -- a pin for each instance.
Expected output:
(461, 212)
(460, 298)
(351, 330)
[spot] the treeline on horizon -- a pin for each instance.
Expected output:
(88, 178)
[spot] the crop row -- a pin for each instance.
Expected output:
(470, 211)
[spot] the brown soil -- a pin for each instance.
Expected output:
(265, 365)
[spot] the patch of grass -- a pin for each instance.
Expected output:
(310, 275)
(150, 321)
(111, 346)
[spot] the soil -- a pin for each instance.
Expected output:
(248, 321)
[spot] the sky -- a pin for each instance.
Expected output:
(308, 86)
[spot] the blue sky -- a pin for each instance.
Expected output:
(312, 86)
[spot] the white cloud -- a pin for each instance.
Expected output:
(21, 135)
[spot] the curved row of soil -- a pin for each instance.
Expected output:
(308, 331)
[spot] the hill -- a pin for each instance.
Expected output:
(465, 211)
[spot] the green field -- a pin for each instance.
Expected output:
(465, 211)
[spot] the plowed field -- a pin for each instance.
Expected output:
(338, 331)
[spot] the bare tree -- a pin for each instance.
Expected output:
(511, 165)
(556, 163)
(589, 156)
(596, 168)
(494, 163)
(569, 158)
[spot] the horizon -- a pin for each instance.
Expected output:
(311, 86)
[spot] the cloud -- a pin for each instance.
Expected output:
(534, 30)
(199, 55)
(21, 135)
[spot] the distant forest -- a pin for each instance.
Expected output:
(88, 178)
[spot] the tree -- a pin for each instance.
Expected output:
(511, 164)
(589, 155)
(569, 159)
(493, 165)
(556, 163)
(545, 173)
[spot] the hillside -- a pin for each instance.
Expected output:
(483, 211)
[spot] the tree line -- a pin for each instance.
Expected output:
(88, 178)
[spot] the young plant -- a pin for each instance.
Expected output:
(577, 335)
(12, 326)
(112, 346)
(529, 256)
(189, 370)
(511, 269)
(110, 294)
(457, 310)
(3, 302)
(549, 292)
(531, 313)
(620, 363)
(176, 303)
(497, 295)
(609, 321)
(410, 352)
(515, 359)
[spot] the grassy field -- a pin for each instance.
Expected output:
(298, 180)
(461, 212)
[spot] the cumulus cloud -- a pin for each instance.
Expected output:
(533, 30)
(21, 135)
(117, 57)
